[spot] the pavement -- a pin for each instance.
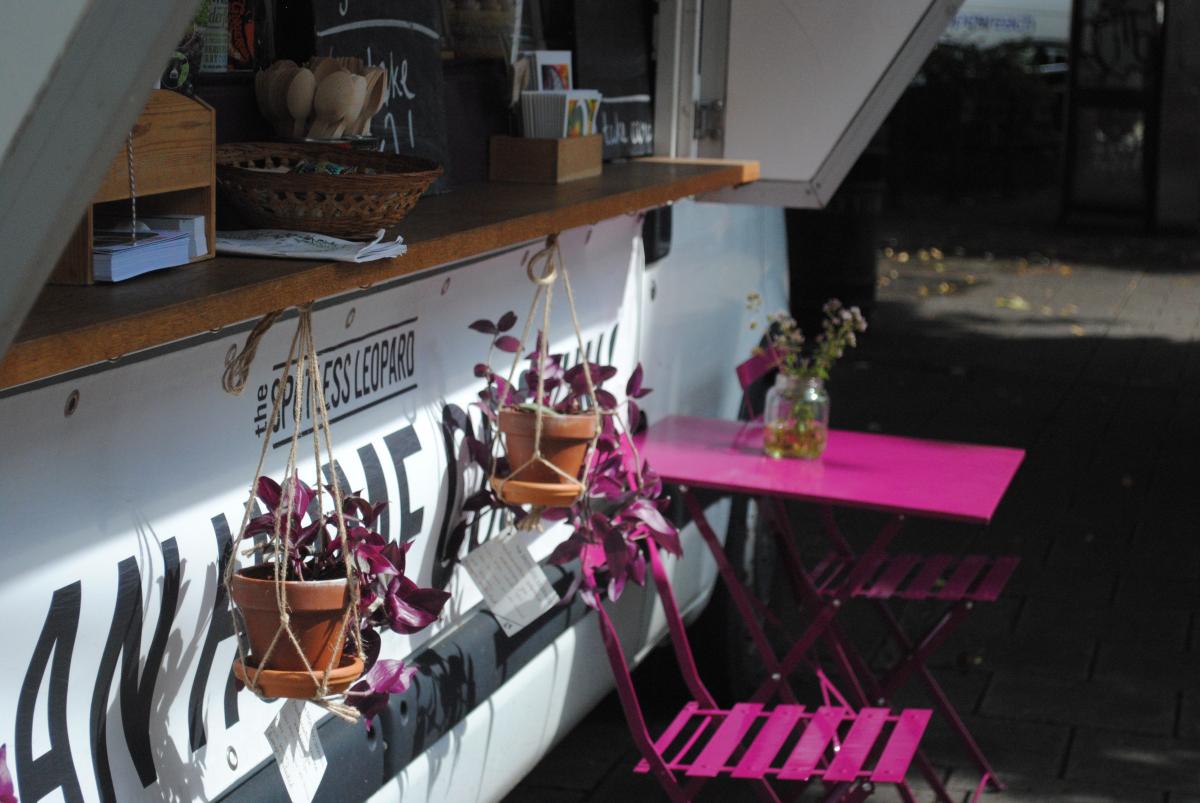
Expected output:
(1082, 683)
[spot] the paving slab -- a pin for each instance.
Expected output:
(1037, 789)
(1126, 759)
(1016, 748)
(1154, 668)
(1109, 623)
(1131, 707)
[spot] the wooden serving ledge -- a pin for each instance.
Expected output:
(71, 327)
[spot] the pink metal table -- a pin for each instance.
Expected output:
(900, 476)
(907, 476)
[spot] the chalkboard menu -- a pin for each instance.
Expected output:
(406, 40)
(612, 54)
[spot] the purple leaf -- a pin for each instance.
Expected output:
(484, 326)
(386, 677)
(411, 608)
(504, 391)
(635, 382)
(482, 369)
(606, 487)
(567, 551)
(260, 524)
(479, 452)
(7, 794)
(6, 791)
(606, 400)
(637, 567)
(507, 321)
(508, 343)
(555, 514)
(649, 514)
(633, 413)
(269, 492)
(302, 496)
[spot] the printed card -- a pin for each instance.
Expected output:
(513, 585)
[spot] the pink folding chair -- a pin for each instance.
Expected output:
(849, 751)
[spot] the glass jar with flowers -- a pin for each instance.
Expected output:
(796, 417)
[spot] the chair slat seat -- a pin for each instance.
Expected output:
(831, 743)
(977, 578)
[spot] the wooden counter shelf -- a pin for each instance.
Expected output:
(71, 327)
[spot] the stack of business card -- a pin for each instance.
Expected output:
(560, 113)
(116, 256)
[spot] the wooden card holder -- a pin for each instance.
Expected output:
(174, 152)
(545, 161)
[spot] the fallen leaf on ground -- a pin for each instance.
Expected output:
(1077, 330)
(936, 253)
(1013, 302)
(922, 291)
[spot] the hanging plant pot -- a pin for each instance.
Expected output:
(564, 443)
(316, 610)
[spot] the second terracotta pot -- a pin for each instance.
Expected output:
(564, 443)
(315, 606)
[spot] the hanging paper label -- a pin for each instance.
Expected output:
(297, 747)
(513, 585)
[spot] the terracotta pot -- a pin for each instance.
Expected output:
(300, 685)
(316, 617)
(565, 440)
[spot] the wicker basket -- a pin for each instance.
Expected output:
(356, 205)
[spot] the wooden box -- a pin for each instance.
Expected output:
(545, 161)
(174, 153)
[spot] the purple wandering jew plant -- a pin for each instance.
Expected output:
(388, 598)
(620, 513)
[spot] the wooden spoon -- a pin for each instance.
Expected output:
(300, 99)
(323, 67)
(281, 79)
(329, 104)
(351, 64)
(353, 105)
(376, 96)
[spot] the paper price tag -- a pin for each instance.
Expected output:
(512, 583)
(297, 748)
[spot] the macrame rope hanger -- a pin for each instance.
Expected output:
(544, 269)
(302, 366)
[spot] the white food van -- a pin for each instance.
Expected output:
(124, 469)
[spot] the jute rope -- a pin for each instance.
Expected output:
(237, 367)
(550, 259)
(303, 368)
